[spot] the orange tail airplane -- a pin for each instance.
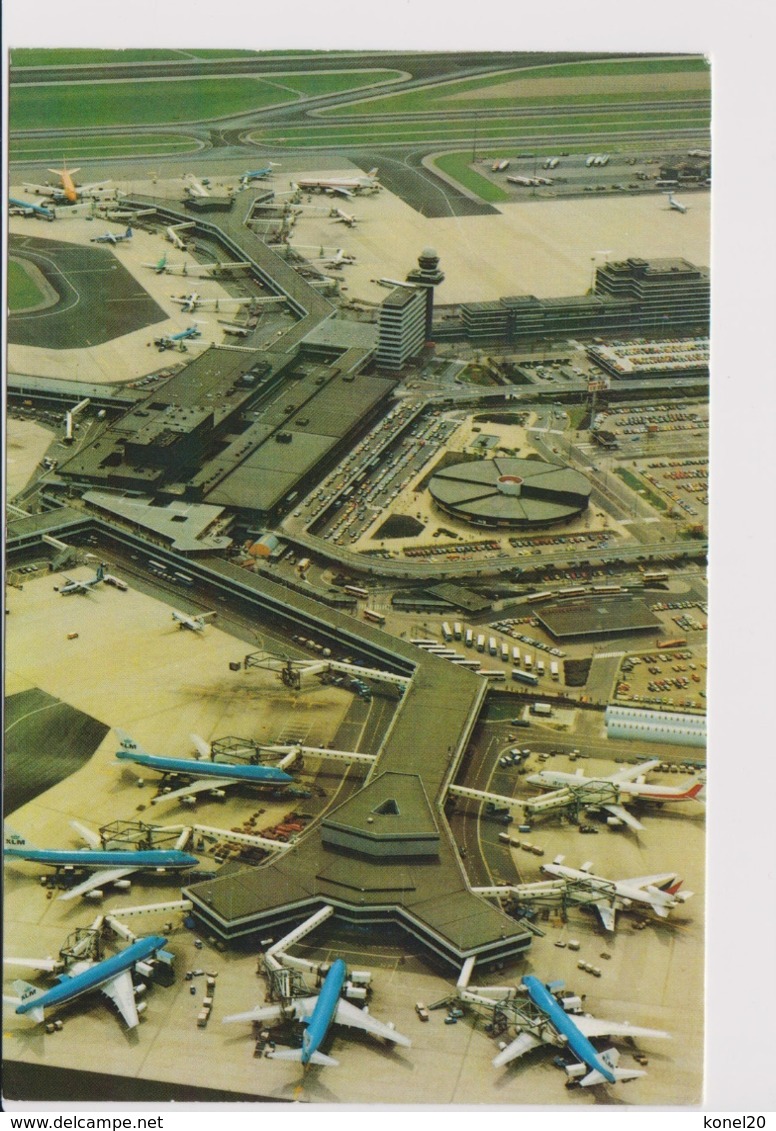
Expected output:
(68, 187)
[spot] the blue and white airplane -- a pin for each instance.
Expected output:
(83, 586)
(208, 776)
(257, 174)
(169, 341)
(550, 1024)
(24, 208)
(112, 976)
(318, 1014)
(111, 237)
(108, 867)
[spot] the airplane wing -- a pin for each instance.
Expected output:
(50, 965)
(200, 786)
(317, 1057)
(622, 813)
(630, 773)
(607, 914)
(121, 992)
(351, 1015)
(302, 1007)
(655, 881)
(522, 1044)
(88, 835)
(96, 880)
(595, 1027)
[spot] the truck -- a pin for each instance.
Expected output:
(543, 709)
(554, 671)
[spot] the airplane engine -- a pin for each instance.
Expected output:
(141, 1007)
(123, 885)
(190, 801)
(144, 969)
(218, 793)
(140, 989)
(95, 894)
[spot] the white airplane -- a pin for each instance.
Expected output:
(579, 885)
(608, 793)
(195, 623)
(341, 186)
(193, 301)
(82, 586)
(162, 267)
(112, 976)
(341, 217)
(550, 1021)
(341, 259)
(676, 204)
(317, 1014)
(196, 187)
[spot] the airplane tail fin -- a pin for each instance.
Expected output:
(696, 791)
(26, 993)
(296, 1054)
(128, 234)
(15, 840)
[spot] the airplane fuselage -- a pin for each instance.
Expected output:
(87, 858)
(623, 892)
(94, 976)
(195, 769)
(563, 1023)
(625, 789)
(325, 1008)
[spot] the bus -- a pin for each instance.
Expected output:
(447, 632)
(657, 576)
(183, 579)
(516, 656)
(376, 618)
(554, 671)
(492, 646)
(481, 642)
(679, 642)
(540, 667)
(465, 662)
(527, 662)
(504, 652)
(524, 677)
(457, 630)
(666, 184)
(491, 673)
(423, 643)
(469, 638)
(356, 591)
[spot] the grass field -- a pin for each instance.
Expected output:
(76, 56)
(450, 96)
(22, 291)
(457, 165)
(516, 129)
(106, 145)
(151, 102)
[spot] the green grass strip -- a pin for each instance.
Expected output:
(23, 292)
(87, 148)
(456, 165)
(150, 102)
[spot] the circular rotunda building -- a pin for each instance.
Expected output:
(510, 492)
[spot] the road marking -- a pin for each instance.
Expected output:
(29, 714)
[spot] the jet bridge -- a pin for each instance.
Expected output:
(292, 670)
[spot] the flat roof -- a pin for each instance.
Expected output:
(597, 616)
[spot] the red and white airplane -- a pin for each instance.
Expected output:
(608, 793)
(341, 186)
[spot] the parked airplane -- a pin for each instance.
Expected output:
(112, 976)
(111, 237)
(192, 301)
(207, 776)
(341, 217)
(342, 186)
(607, 793)
(549, 1023)
(258, 174)
(24, 208)
(69, 191)
(341, 259)
(195, 623)
(112, 867)
(170, 341)
(82, 586)
(676, 204)
(318, 1014)
(579, 885)
(195, 186)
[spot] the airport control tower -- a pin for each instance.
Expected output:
(428, 275)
